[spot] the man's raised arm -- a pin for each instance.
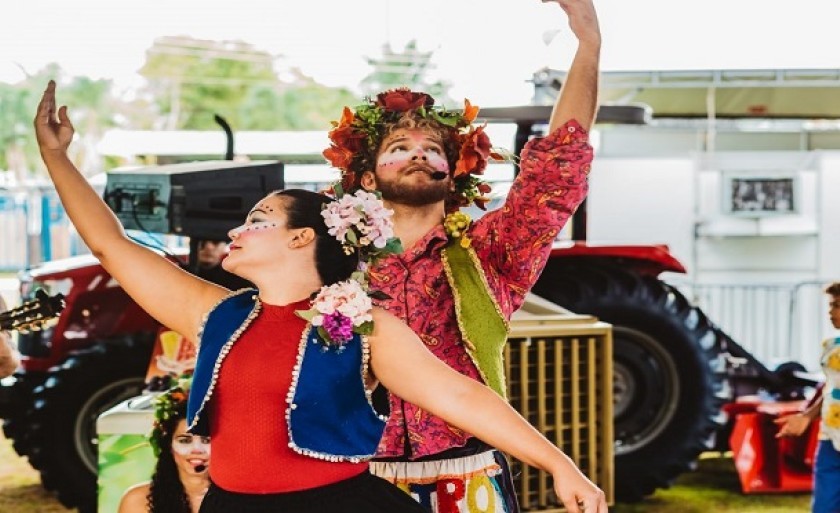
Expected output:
(578, 98)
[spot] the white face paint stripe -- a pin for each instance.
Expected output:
(259, 225)
(195, 446)
(401, 158)
(399, 152)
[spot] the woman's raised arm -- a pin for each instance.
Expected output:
(171, 295)
(404, 365)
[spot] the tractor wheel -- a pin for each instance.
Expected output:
(17, 418)
(63, 440)
(668, 383)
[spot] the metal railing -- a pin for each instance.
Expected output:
(559, 372)
(775, 322)
(34, 228)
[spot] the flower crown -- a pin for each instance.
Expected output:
(356, 138)
(362, 224)
(168, 405)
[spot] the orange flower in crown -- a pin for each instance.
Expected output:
(357, 136)
(475, 150)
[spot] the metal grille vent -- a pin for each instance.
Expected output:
(559, 373)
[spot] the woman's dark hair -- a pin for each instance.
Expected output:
(303, 210)
(166, 492)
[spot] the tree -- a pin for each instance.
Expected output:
(408, 68)
(15, 106)
(92, 109)
(190, 80)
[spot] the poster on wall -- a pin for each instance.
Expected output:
(758, 196)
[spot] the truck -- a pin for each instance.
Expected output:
(674, 369)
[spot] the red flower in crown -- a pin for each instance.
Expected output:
(403, 99)
(475, 150)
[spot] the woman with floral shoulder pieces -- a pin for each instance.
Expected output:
(826, 404)
(282, 381)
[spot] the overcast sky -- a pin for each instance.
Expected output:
(487, 48)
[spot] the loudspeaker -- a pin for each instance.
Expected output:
(202, 200)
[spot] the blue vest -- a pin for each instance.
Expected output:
(328, 409)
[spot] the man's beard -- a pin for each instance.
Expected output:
(416, 194)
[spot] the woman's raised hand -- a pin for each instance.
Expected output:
(54, 133)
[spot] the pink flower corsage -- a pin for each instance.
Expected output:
(340, 310)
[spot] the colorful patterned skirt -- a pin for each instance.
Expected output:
(470, 484)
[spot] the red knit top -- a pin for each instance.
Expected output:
(249, 438)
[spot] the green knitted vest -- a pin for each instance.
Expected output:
(483, 328)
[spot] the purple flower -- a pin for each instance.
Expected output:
(339, 327)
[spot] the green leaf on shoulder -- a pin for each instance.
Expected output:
(394, 245)
(307, 315)
(359, 276)
(366, 328)
(324, 335)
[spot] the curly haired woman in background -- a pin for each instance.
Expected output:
(180, 479)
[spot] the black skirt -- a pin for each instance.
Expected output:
(364, 493)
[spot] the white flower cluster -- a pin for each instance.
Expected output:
(346, 298)
(359, 220)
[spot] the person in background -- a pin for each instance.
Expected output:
(211, 253)
(181, 478)
(209, 259)
(9, 360)
(825, 405)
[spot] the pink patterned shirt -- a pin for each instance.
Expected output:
(512, 243)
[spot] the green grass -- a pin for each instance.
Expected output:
(20, 485)
(714, 486)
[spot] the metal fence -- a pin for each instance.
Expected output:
(34, 228)
(775, 322)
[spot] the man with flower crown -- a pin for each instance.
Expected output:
(458, 282)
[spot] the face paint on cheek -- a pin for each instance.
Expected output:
(252, 228)
(196, 447)
(397, 160)
(437, 161)
(400, 159)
